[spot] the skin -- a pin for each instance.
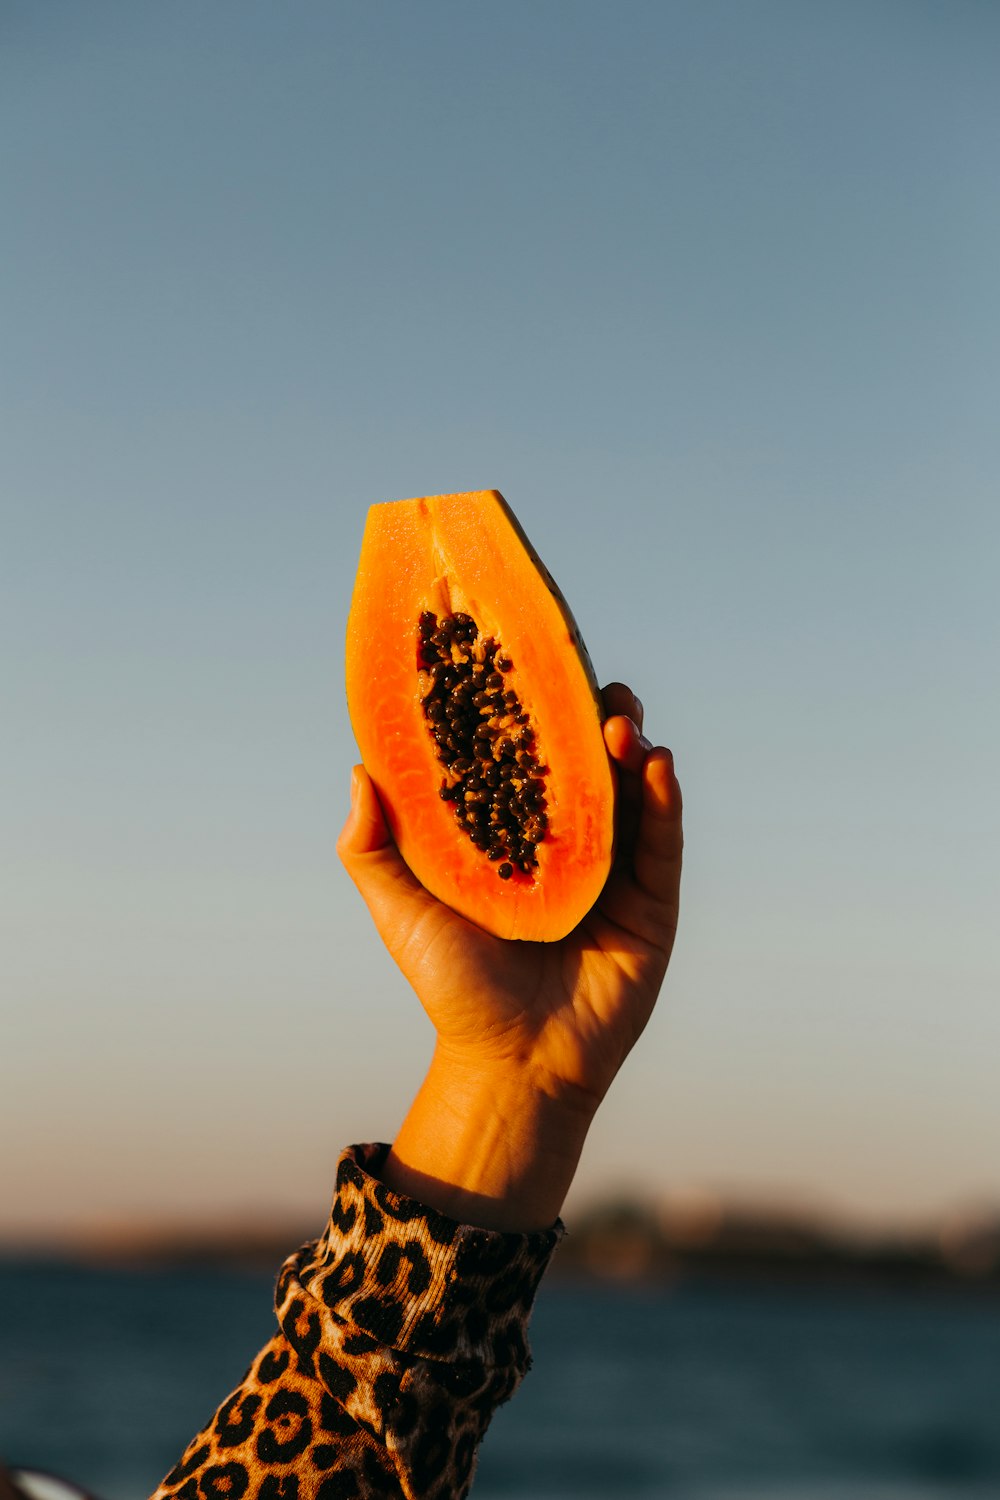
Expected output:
(529, 1035)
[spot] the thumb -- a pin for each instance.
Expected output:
(366, 831)
(388, 887)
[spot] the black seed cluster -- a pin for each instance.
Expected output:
(484, 741)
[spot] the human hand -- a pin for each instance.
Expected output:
(529, 1035)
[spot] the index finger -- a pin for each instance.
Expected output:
(619, 698)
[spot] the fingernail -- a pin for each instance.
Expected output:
(355, 786)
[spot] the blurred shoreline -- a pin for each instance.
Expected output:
(629, 1240)
(625, 1240)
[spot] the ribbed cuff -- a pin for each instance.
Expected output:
(415, 1279)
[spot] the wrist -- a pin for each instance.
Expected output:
(489, 1144)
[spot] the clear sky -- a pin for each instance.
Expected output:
(710, 291)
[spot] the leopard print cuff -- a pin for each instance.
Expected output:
(414, 1279)
(401, 1332)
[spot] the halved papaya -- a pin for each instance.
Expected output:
(478, 717)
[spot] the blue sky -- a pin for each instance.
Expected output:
(709, 292)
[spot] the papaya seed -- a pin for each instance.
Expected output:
(483, 740)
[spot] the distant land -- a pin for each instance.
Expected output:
(626, 1240)
(630, 1240)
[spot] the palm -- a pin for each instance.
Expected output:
(574, 1007)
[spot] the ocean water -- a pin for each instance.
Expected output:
(698, 1392)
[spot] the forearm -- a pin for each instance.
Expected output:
(488, 1146)
(400, 1332)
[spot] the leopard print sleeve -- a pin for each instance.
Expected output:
(400, 1332)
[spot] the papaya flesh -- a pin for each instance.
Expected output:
(478, 716)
